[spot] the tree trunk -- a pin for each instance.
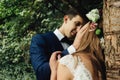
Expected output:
(111, 27)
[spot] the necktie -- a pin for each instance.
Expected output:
(66, 40)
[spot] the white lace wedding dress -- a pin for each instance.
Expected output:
(80, 72)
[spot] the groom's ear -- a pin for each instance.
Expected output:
(65, 18)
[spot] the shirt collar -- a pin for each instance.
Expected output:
(58, 34)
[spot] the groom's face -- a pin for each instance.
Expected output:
(72, 25)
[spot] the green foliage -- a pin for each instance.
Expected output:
(19, 21)
(16, 72)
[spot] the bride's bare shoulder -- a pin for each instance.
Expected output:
(63, 73)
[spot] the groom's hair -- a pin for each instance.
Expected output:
(73, 12)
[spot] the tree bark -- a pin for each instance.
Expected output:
(111, 28)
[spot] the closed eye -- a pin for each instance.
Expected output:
(78, 24)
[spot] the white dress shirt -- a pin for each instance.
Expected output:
(60, 36)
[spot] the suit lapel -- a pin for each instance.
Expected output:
(53, 41)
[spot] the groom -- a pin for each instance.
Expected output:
(43, 45)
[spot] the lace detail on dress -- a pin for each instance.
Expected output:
(80, 72)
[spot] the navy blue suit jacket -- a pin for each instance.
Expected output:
(41, 48)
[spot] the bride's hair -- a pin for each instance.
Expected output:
(90, 43)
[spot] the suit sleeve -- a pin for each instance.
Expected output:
(39, 59)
